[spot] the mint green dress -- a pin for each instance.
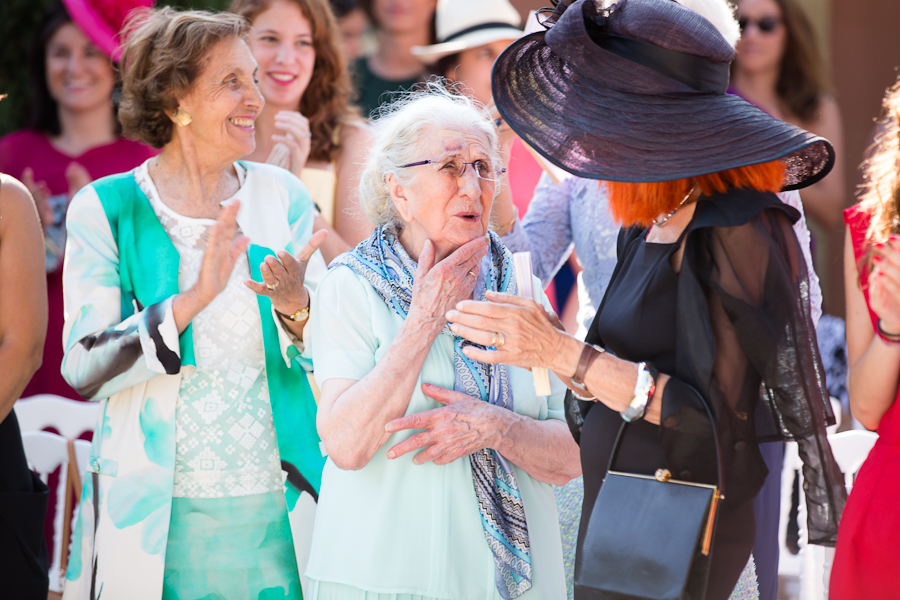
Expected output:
(229, 535)
(398, 531)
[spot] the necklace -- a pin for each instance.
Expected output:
(665, 219)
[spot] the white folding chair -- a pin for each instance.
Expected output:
(850, 449)
(71, 418)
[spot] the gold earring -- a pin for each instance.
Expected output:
(182, 118)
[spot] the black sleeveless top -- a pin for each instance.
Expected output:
(638, 326)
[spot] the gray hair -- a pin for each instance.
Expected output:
(399, 131)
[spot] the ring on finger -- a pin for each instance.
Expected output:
(497, 340)
(472, 273)
(271, 287)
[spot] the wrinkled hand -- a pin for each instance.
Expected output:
(884, 284)
(530, 336)
(40, 191)
(437, 288)
(463, 426)
(283, 277)
(223, 248)
(297, 138)
(77, 177)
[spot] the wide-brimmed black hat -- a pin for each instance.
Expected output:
(635, 90)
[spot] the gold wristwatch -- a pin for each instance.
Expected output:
(301, 315)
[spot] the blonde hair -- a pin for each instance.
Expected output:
(399, 131)
(164, 54)
(879, 194)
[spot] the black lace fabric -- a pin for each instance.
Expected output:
(746, 347)
(746, 342)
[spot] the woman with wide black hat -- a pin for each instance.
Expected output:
(709, 304)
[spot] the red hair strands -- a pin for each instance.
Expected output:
(640, 203)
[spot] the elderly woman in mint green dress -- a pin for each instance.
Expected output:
(186, 310)
(437, 483)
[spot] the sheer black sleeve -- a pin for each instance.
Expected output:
(746, 346)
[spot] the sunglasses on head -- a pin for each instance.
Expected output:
(765, 25)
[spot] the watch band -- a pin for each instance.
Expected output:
(301, 315)
(297, 317)
(588, 354)
(644, 389)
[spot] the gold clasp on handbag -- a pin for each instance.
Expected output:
(663, 475)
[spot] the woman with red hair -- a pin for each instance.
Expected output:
(709, 301)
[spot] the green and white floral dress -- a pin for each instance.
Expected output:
(205, 465)
(229, 535)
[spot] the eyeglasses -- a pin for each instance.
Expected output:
(456, 168)
(765, 25)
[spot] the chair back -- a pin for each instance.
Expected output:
(70, 418)
(850, 449)
(47, 451)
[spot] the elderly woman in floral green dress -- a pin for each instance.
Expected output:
(186, 311)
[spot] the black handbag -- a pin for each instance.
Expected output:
(649, 538)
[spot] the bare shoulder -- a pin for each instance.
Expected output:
(15, 199)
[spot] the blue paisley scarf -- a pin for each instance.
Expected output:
(383, 262)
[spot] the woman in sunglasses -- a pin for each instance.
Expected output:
(779, 69)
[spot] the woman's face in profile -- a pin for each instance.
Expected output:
(474, 69)
(282, 43)
(763, 36)
(79, 76)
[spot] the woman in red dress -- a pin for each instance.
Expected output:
(72, 138)
(865, 562)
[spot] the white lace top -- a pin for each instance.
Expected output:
(225, 439)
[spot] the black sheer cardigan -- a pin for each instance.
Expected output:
(746, 347)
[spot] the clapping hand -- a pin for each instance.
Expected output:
(224, 245)
(884, 284)
(283, 277)
(292, 148)
(40, 191)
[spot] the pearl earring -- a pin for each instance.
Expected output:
(182, 118)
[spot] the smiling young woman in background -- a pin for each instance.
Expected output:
(307, 125)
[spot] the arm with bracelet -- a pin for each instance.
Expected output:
(610, 377)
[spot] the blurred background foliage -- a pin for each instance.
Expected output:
(19, 20)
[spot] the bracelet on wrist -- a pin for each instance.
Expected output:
(589, 354)
(893, 338)
(644, 390)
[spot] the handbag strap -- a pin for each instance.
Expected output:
(73, 486)
(720, 472)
